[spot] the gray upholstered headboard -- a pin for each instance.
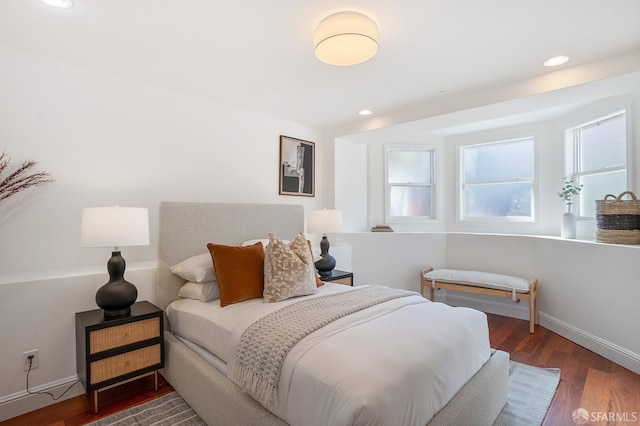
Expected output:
(186, 228)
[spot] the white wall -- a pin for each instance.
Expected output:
(393, 259)
(108, 140)
(351, 188)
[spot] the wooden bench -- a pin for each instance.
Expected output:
(483, 283)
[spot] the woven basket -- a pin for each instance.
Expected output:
(618, 220)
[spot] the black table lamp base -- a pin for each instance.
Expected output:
(116, 296)
(327, 262)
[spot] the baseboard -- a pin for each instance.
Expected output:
(615, 353)
(611, 351)
(22, 402)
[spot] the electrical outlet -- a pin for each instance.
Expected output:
(25, 359)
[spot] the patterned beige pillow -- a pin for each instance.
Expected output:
(288, 269)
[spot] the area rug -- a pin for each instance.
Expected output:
(529, 395)
(168, 410)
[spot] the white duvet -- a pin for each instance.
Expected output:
(397, 363)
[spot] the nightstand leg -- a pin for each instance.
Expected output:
(155, 376)
(95, 401)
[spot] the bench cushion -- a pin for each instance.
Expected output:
(479, 279)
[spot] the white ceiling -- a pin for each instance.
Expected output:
(258, 54)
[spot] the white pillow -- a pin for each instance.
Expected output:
(264, 241)
(200, 291)
(197, 268)
(288, 269)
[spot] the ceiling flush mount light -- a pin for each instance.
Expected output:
(346, 38)
(555, 61)
(63, 4)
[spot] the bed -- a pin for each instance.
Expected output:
(185, 230)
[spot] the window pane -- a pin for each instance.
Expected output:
(410, 201)
(409, 166)
(597, 186)
(499, 200)
(604, 145)
(501, 161)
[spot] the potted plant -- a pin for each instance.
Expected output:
(569, 190)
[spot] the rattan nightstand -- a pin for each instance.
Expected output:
(112, 352)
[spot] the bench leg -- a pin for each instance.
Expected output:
(423, 284)
(532, 312)
(537, 308)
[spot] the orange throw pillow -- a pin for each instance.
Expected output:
(240, 271)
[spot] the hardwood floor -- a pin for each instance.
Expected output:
(605, 389)
(587, 380)
(79, 410)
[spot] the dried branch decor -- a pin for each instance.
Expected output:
(20, 179)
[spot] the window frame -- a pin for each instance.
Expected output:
(573, 151)
(435, 152)
(462, 216)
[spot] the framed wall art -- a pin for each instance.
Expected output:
(297, 167)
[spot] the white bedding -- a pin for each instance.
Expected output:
(396, 363)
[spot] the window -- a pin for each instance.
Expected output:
(498, 180)
(410, 183)
(597, 159)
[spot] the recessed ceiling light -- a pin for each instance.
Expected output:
(63, 4)
(365, 112)
(556, 60)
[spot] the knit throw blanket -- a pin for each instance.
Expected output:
(264, 345)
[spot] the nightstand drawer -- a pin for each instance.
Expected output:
(345, 281)
(125, 363)
(122, 335)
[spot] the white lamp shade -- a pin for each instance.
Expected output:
(64, 4)
(324, 221)
(114, 227)
(346, 38)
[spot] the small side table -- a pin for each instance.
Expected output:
(338, 277)
(115, 351)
